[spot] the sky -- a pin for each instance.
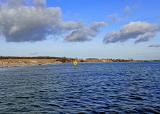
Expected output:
(125, 29)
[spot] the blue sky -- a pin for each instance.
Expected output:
(115, 13)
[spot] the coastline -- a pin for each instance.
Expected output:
(36, 61)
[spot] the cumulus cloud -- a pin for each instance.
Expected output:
(85, 33)
(155, 46)
(20, 22)
(140, 31)
(145, 37)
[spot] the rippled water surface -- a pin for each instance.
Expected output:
(88, 88)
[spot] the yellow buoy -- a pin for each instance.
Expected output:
(75, 62)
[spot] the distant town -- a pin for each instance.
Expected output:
(12, 61)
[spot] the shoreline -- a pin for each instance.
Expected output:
(37, 61)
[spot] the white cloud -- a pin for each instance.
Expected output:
(25, 23)
(85, 33)
(140, 31)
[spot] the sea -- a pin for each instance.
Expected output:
(88, 88)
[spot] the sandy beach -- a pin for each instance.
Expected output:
(26, 62)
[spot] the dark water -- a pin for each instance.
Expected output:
(89, 88)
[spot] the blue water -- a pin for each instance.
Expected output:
(88, 88)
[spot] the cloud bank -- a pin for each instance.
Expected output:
(140, 31)
(20, 22)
